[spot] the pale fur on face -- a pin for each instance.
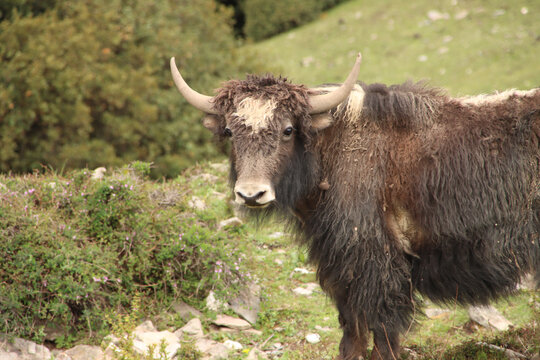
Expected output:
(485, 99)
(256, 113)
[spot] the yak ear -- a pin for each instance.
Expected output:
(321, 121)
(211, 122)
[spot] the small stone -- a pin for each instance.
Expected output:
(98, 173)
(256, 354)
(185, 311)
(233, 345)
(422, 58)
(489, 317)
(313, 338)
(85, 352)
(213, 303)
(247, 303)
(234, 221)
(4, 355)
(276, 235)
(193, 329)
(460, 15)
(212, 349)
(435, 15)
(145, 327)
(434, 313)
(233, 323)
(197, 203)
(323, 328)
(143, 340)
(307, 290)
(253, 332)
(302, 271)
(307, 61)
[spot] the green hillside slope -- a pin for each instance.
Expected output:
(467, 47)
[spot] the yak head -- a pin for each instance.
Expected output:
(269, 122)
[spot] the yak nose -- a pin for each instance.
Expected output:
(254, 194)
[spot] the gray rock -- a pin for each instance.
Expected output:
(28, 350)
(230, 322)
(436, 313)
(83, 352)
(99, 173)
(192, 329)
(196, 203)
(489, 317)
(233, 345)
(276, 235)
(212, 349)
(145, 327)
(247, 303)
(313, 338)
(5, 355)
(307, 290)
(256, 354)
(234, 221)
(185, 311)
(213, 303)
(143, 341)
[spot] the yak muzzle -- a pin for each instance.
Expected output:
(254, 194)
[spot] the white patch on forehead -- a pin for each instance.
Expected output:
(485, 99)
(256, 113)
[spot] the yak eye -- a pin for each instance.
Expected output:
(288, 131)
(227, 132)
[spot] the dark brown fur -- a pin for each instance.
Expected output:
(425, 194)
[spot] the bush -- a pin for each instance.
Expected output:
(75, 249)
(24, 7)
(267, 18)
(88, 83)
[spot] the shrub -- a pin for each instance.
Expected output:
(267, 18)
(76, 249)
(88, 83)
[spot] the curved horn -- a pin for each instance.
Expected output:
(325, 102)
(200, 101)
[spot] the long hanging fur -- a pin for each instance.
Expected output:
(467, 175)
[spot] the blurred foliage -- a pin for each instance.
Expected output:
(266, 18)
(87, 83)
(24, 7)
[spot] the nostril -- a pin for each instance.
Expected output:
(255, 197)
(239, 194)
(259, 195)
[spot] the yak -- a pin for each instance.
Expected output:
(394, 190)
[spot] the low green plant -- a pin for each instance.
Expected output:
(75, 248)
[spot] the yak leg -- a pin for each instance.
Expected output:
(386, 345)
(353, 345)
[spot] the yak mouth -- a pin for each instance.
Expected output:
(258, 206)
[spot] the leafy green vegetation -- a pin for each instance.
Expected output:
(87, 83)
(75, 247)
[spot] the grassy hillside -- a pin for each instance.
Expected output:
(467, 47)
(79, 249)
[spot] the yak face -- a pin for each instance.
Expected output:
(271, 123)
(267, 122)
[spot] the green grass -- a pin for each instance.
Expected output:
(494, 47)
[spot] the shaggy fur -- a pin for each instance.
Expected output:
(423, 193)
